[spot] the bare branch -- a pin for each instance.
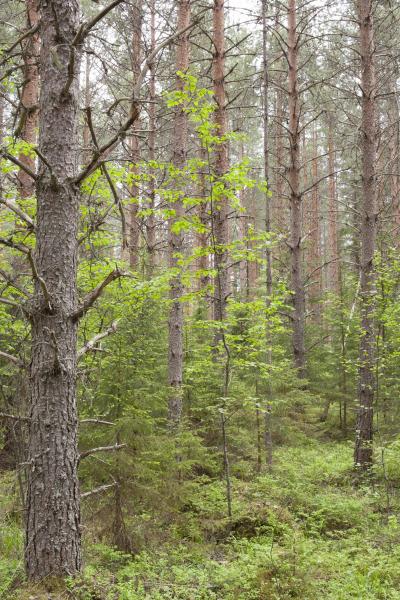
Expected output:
(85, 29)
(97, 422)
(18, 211)
(114, 448)
(14, 417)
(22, 37)
(110, 182)
(41, 281)
(90, 345)
(101, 152)
(12, 283)
(18, 163)
(13, 359)
(91, 298)
(98, 490)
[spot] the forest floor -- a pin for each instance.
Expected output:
(303, 531)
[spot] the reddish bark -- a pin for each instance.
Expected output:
(220, 208)
(363, 454)
(176, 239)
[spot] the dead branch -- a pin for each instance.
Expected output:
(90, 345)
(91, 298)
(114, 448)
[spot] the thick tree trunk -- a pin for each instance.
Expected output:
(53, 536)
(364, 428)
(297, 284)
(220, 224)
(176, 240)
(29, 98)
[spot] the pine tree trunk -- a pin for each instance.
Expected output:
(333, 270)
(220, 211)
(29, 98)
(151, 221)
(87, 142)
(134, 146)
(364, 428)
(295, 244)
(176, 240)
(268, 253)
(202, 263)
(315, 261)
(53, 535)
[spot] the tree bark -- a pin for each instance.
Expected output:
(220, 208)
(295, 243)
(87, 140)
(333, 270)
(202, 263)
(176, 239)
(268, 253)
(151, 221)
(315, 262)
(364, 429)
(134, 146)
(29, 98)
(53, 536)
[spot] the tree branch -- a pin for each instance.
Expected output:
(113, 189)
(18, 211)
(91, 298)
(14, 417)
(18, 163)
(114, 448)
(41, 281)
(90, 345)
(86, 27)
(97, 422)
(135, 104)
(22, 37)
(12, 359)
(98, 490)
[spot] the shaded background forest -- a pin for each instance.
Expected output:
(219, 363)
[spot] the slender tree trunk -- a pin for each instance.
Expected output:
(333, 270)
(176, 240)
(202, 263)
(268, 253)
(2, 130)
(315, 287)
(29, 98)
(151, 221)
(226, 464)
(53, 536)
(87, 144)
(220, 209)
(364, 429)
(134, 191)
(251, 265)
(298, 298)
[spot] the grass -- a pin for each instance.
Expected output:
(302, 531)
